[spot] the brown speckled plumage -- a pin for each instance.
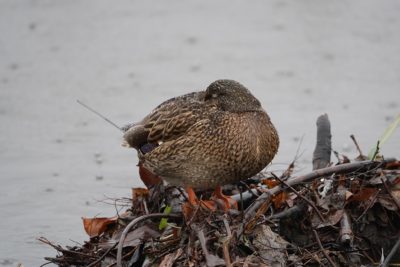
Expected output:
(204, 139)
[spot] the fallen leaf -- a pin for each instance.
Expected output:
(139, 235)
(253, 221)
(270, 246)
(187, 211)
(387, 202)
(363, 194)
(133, 239)
(290, 199)
(139, 192)
(332, 218)
(396, 195)
(96, 226)
(270, 182)
(169, 259)
(148, 178)
(279, 199)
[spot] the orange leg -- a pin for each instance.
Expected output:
(228, 202)
(193, 203)
(192, 199)
(218, 199)
(192, 196)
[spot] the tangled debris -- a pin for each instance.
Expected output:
(342, 215)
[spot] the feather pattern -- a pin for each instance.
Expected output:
(203, 139)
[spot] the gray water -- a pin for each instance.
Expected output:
(58, 162)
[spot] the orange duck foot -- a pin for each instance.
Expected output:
(217, 201)
(225, 202)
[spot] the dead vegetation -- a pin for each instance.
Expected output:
(343, 214)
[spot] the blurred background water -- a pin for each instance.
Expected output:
(58, 161)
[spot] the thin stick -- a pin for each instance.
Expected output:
(211, 259)
(133, 223)
(343, 168)
(62, 250)
(369, 205)
(225, 244)
(287, 212)
(376, 151)
(391, 195)
(47, 263)
(391, 254)
(100, 115)
(103, 256)
(301, 196)
(323, 250)
(356, 144)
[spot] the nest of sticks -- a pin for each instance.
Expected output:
(343, 214)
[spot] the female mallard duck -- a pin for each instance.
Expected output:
(205, 139)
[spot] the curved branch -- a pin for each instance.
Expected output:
(132, 224)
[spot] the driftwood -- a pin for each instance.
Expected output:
(323, 147)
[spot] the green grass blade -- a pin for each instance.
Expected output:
(386, 135)
(164, 221)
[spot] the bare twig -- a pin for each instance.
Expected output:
(371, 260)
(288, 212)
(391, 195)
(102, 256)
(372, 202)
(228, 229)
(361, 156)
(251, 216)
(391, 254)
(60, 249)
(346, 233)
(146, 210)
(302, 197)
(226, 243)
(343, 168)
(44, 264)
(211, 259)
(376, 151)
(133, 223)
(322, 249)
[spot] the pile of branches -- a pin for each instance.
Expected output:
(347, 214)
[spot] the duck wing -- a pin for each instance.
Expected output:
(220, 149)
(168, 121)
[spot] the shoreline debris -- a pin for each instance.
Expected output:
(347, 214)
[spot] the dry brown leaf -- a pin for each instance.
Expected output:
(270, 246)
(96, 226)
(139, 235)
(187, 210)
(279, 199)
(396, 195)
(364, 194)
(332, 218)
(270, 182)
(138, 192)
(169, 259)
(387, 202)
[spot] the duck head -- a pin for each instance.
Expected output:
(231, 96)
